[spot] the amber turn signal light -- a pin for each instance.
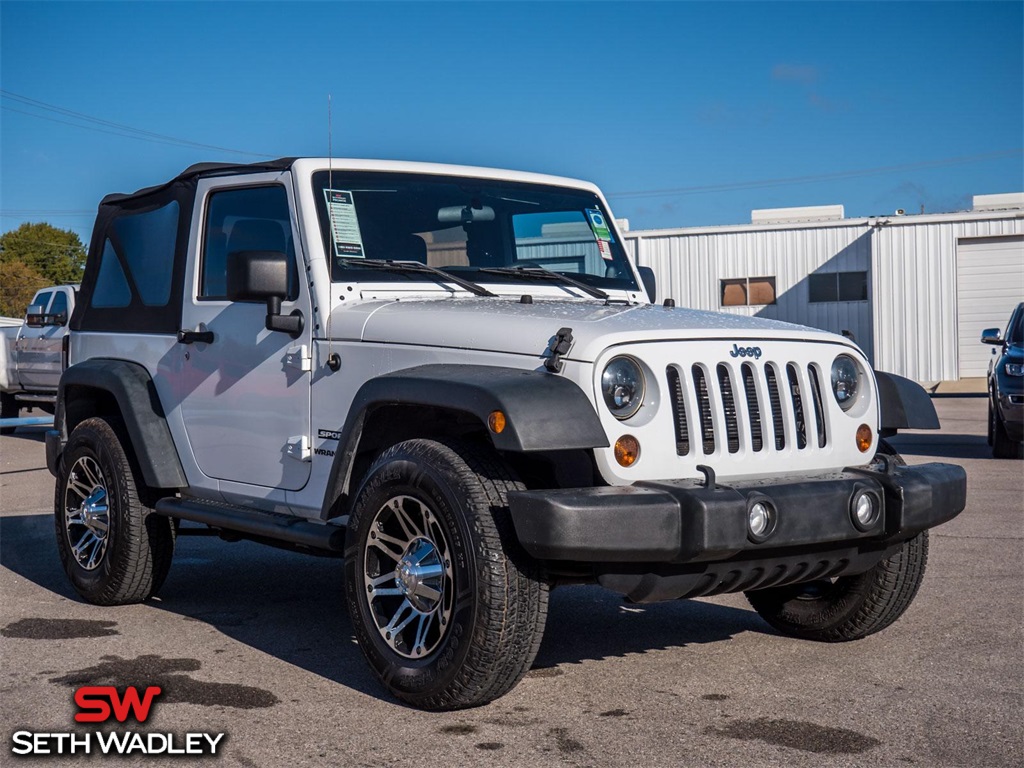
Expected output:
(864, 438)
(496, 422)
(627, 450)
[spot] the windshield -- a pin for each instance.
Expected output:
(1015, 332)
(468, 227)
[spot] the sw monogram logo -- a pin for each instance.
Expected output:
(738, 351)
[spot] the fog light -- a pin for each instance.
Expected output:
(627, 450)
(496, 421)
(760, 521)
(864, 510)
(864, 438)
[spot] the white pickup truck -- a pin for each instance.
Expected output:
(31, 356)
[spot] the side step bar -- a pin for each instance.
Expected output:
(253, 522)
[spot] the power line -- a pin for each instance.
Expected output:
(108, 126)
(727, 187)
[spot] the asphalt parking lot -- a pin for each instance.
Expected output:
(254, 642)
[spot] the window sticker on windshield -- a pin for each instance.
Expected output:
(599, 225)
(341, 209)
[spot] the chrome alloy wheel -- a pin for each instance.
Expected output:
(408, 576)
(86, 515)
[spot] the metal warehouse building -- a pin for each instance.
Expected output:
(916, 291)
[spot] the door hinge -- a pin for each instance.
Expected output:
(298, 448)
(299, 358)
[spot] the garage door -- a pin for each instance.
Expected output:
(990, 283)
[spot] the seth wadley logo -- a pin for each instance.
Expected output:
(101, 704)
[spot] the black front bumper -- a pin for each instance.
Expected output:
(687, 522)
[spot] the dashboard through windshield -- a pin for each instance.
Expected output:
(468, 227)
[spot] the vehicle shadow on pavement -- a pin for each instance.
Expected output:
(290, 606)
(944, 446)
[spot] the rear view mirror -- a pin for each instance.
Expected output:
(263, 276)
(453, 214)
(991, 336)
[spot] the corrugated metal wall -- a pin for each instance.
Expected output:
(908, 325)
(690, 267)
(915, 270)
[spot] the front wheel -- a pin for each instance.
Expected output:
(1002, 446)
(849, 607)
(447, 608)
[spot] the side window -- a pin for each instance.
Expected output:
(139, 256)
(147, 241)
(245, 219)
(111, 285)
(42, 300)
(60, 304)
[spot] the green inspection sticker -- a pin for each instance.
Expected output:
(599, 225)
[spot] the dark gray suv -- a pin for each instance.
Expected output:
(1006, 388)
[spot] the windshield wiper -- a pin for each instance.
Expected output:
(538, 272)
(414, 267)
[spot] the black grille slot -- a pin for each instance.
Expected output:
(732, 430)
(707, 427)
(675, 386)
(756, 438)
(819, 412)
(775, 402)
(798, 406)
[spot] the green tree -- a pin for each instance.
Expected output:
(56, 254)
(18, 284)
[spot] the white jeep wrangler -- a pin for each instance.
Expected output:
(455, 378)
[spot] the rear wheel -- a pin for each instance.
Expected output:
(113, 549)
(849, 607)
(446, 606)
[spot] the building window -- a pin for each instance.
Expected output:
(748, 291)
(838, 286)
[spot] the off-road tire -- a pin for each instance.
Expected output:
(140, 543)
(851, 607)
(9, 409)
(495, 626)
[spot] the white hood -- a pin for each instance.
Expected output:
(505, 325)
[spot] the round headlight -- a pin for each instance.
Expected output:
(845, 381)
(622, 385)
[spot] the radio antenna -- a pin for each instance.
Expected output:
(333, 360)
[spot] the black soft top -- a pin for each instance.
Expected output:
(199, 170)
(136, 315)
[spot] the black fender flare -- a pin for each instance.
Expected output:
(543, 412)
(903, 404)
(143, 415)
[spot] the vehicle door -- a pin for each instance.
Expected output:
(244, 394)
(38, 347)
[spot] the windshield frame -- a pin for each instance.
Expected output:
(509, 197)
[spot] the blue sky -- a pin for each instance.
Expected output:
(717, 108)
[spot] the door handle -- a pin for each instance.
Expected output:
(191, 337)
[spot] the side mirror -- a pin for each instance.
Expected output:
(991, 336)
(263, 276)
(35, 317)
(650, 283)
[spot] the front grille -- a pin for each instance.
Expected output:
(707, 427)
(746, 409)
